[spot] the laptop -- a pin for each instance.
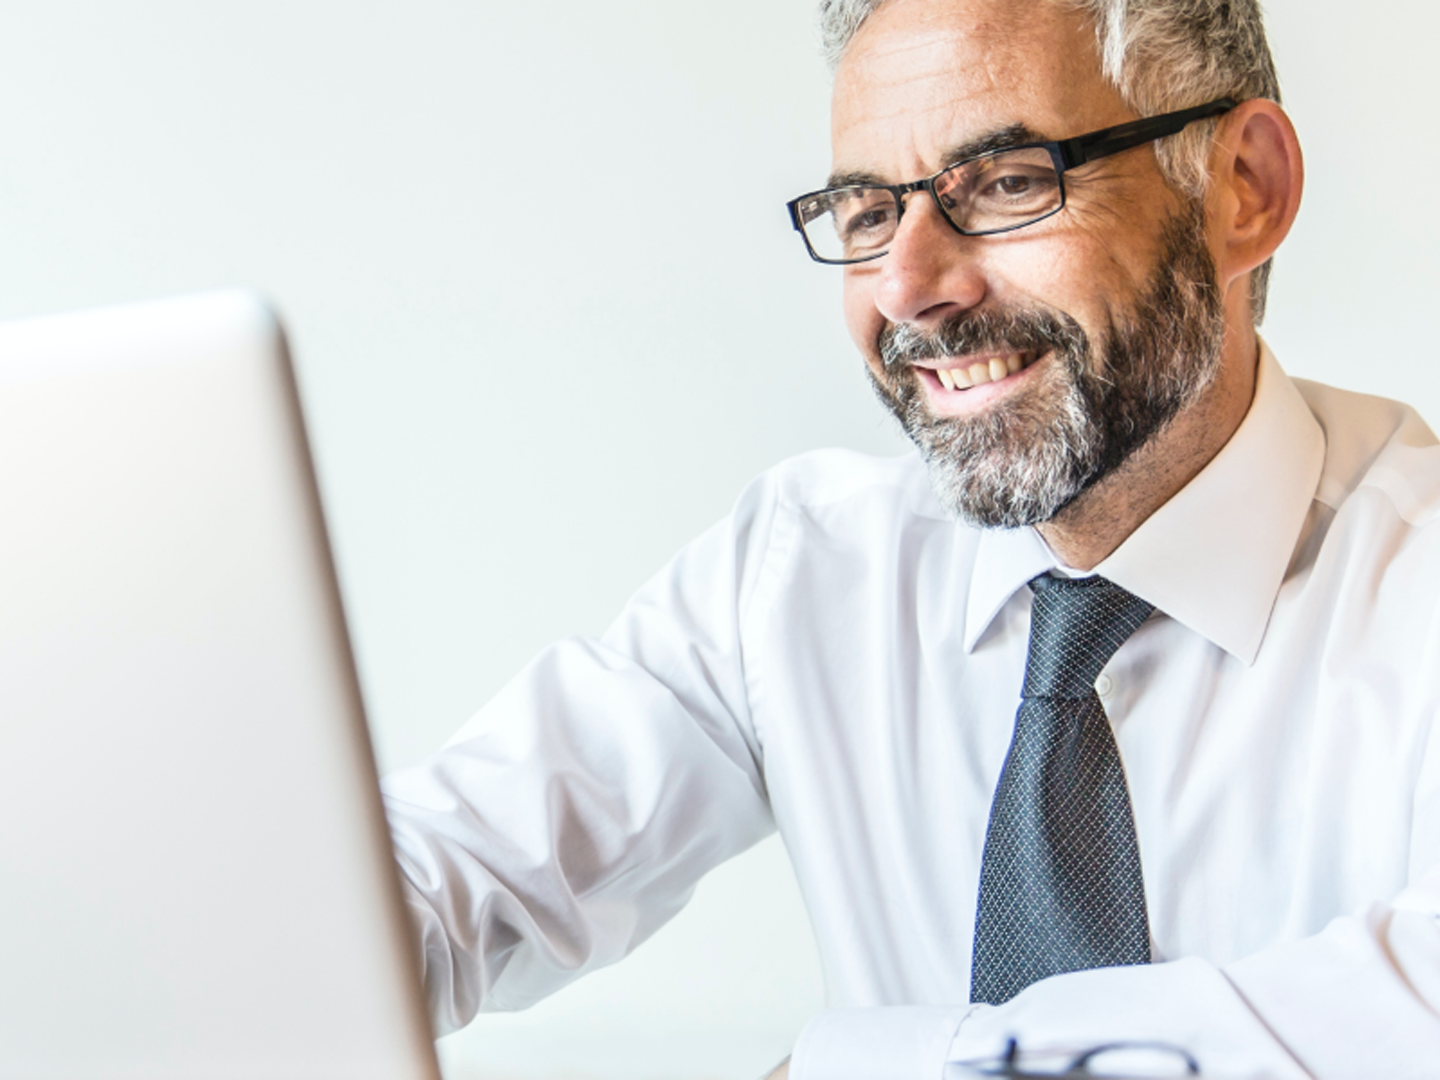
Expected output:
(195, 872)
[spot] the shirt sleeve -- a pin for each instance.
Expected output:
(1357, 1001)
(896, 1043)
(573, 815)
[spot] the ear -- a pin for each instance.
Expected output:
(1258, 178)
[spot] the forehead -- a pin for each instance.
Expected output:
(924, 76)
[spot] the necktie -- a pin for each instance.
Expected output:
(1060, 884)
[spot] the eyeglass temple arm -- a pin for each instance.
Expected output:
(1114, 140)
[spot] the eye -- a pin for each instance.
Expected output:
(1013, 190)
(868, 220)
(865, 219)
(1017, 184)
(1013, 185)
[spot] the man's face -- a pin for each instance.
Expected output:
(1079, 337)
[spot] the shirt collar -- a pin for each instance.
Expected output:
(1214, 556)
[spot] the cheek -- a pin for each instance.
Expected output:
(1078, 279)
(862, 318)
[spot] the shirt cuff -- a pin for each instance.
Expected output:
(1185, 1003)
(908, 1042)
(1359, 999)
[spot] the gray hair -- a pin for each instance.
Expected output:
(1161, 55)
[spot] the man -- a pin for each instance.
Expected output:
(1056, 219)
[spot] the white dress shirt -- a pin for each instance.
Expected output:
(842, 661)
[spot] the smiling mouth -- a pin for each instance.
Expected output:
(981, 372)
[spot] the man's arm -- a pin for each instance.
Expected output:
(1357, 1001)
(574, 814)
(564, 832)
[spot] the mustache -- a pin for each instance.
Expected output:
(991, 330)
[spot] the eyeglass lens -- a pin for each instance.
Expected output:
(995, 193)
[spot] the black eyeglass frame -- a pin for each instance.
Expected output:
(1008, 1067)
(1065, 154)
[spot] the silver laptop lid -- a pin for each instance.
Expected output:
(195, 874)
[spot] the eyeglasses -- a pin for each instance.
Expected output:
(1133, 1059)
(996, 192)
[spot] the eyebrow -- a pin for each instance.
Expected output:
(1000, 139)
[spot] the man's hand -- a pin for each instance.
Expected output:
(780, 1072)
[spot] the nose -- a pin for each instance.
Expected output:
(930, 272)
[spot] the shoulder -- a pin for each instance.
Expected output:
(834, 479)
(828, 520)
(1377, 452)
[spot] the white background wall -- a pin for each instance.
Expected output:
(523, 401)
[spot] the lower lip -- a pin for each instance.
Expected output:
(959, 402)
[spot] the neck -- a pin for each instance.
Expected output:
(1099, 521)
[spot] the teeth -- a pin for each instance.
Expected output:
(980, 373)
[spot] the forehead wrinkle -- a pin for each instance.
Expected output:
(993, 44)
(923, 123)
(893, 94)
(972, 54)
(929, 92)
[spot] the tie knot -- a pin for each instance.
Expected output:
(1076, 624)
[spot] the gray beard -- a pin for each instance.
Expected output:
(1028, 457)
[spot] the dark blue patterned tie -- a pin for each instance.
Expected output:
(1060, 884)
